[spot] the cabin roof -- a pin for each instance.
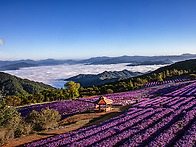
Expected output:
(103, 101)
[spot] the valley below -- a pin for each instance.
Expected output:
(55, 75)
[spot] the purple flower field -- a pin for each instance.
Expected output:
(67, 107)
(166, 82)
(125, 98)
(165, 120)
(64, 108)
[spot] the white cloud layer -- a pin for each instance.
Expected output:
(55, 75)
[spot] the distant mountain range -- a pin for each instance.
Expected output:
(133, 60)
(180, 69)
(137, 59)
(15, 65)
(167, 61)
(12, 85)
(87, 80)
(108, 76)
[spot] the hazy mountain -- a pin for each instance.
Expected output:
(94, 60)
(106, 77)
(135, 60)
(167, 61)
(55, 62)
(102, 78)
(17, 66)
(180, 69)
(11, 85)
(116, 60)
(142, 59)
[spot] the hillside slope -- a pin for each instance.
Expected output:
(182, 65)
(11, 85)
(102, 78)
(179, 70)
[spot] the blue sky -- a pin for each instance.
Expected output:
(75, 29)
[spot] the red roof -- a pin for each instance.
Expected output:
(102, 101)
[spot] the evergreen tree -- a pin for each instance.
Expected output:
(131, 85)
(159, 78)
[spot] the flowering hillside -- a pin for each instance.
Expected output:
(166, 120)
(64, 108)
(69, 107)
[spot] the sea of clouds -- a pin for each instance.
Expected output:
(55, 75)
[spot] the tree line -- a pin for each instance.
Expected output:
(73, 90)
(70, 91)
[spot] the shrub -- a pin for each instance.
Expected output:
(6, 133)
(46, 119)
(9, 121)
(109, 91)
(9, 116)
(23, 128)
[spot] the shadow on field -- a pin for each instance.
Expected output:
(72, 123)
(117, 110)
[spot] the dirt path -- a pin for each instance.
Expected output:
(71, 123)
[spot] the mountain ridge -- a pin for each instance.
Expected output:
(107, 76)
(12, 85)
(94, 61)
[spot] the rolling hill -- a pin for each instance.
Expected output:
(17, 66)
(87, 80)
(108, 76)
(160, 62)
(182, 65)
(180, 70)
(11, 85)
(173, 70)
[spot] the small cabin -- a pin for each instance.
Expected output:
(103, 101)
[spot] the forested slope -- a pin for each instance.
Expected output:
(12, 85)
